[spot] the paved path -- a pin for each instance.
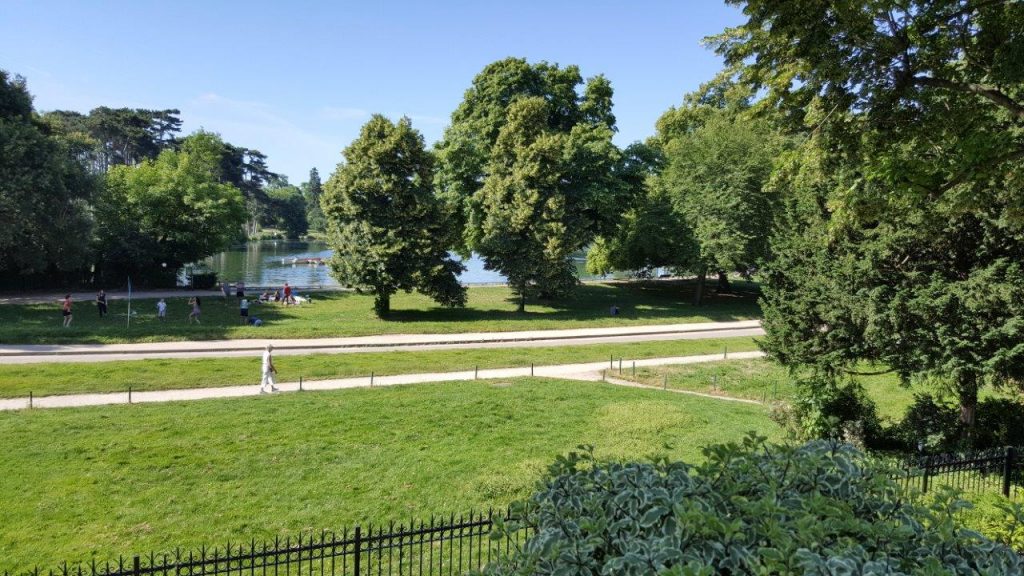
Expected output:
(586, 371)
(34, 353)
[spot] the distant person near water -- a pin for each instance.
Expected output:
(268, 371)
(288, 295)
(101, 303)
(65, 309)
(196, 310)
(224, 289)
(161, 310)
(240, 289)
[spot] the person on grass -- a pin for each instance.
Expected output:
(196, 310)
(268, 371)
(101, 303)
(65, 309)
(161, 310)
(243, 309)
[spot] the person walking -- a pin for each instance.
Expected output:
(268, 371)
(240, 289)
(243, 309)
(194, 314)
(65, 309)
(101, 303)
(288, 294)
(161, 310)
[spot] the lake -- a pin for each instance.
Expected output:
(274, 262)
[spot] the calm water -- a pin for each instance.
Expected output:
(274, 262)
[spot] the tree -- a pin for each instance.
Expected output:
(119, 136)
(44, 192)
(246, 169)
(171, 210)
(544, 199)
(906, 200)
(465, 153)
(286, 208)
(715, 176)
(312, 191)
(384, 223)
(528, 172)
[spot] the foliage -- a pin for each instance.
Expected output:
(528, 171)
(312, 191)
(44, 192)
(286, 209)
(997, 518)
(117, 136)
(751, 508)
(904, 234)
(172, 210)
(828, 409)
(933, 425)
(385, 224)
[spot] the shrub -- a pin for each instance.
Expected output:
(827, 409)
(934, 426)
(204, 280)
(752, 508)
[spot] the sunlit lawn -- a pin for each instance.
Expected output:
(129, 479)
(17, 380)
(350, 314)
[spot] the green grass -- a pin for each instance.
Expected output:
(490, 309)
(129, 479)
(17, 380)
(764, 380)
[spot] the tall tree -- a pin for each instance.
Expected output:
(246, 169)
(168, 211)
(312, 191)
(44, 192)
(465, 152)
(120, 136)
(286, 208)
(907, 198)
(384, 222)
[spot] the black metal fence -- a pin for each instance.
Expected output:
(996, 471)
(446, 546)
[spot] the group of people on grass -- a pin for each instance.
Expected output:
(284, 295)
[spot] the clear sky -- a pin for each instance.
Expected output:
(296, 80)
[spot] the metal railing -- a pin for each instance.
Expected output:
(442, 546)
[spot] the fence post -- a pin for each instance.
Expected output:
(611, 361)
(29, 398)
(531, 368)
(924, 475)
(664, 381)
(634, 368)
(476, 372)
(136, 566)
(300, 383)
(358, 546)
(129, 394)
(371, 379)
(1007, 470)
(620, 365)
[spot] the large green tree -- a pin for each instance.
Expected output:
(384, 223)
(528, 158)
(285, 208)
(172, 210)
(44, 192)
(906, 200)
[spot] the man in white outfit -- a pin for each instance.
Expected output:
(268, 371)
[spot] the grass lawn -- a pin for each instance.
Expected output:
(490, 309)
(17, 380)
(129, 479)
(765, 381)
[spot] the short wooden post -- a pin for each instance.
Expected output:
(371, 379)
(129, 394)
(300, 383)
(1007, 470)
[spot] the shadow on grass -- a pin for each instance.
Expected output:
(637, 301)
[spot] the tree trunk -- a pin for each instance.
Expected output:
(723, 283)
(967, 387)
(382, 304)
(522, 299)
(698, 292)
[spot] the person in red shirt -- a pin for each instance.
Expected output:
(66, 310)
(288, 294)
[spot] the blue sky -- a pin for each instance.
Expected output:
(296, 80)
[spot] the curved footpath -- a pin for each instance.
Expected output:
(35, 353)
(591, 371)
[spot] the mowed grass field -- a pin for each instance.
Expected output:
(18, 380)
(490, 309)
(98, 482)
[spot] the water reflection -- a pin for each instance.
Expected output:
(301, 263)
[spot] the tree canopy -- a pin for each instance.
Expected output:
(384, 223)
(904, 202)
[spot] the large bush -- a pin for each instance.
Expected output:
(754, 508)
(932, 425)
(834, 410)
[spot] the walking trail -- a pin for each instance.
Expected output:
(31, 353)
(592, 371)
